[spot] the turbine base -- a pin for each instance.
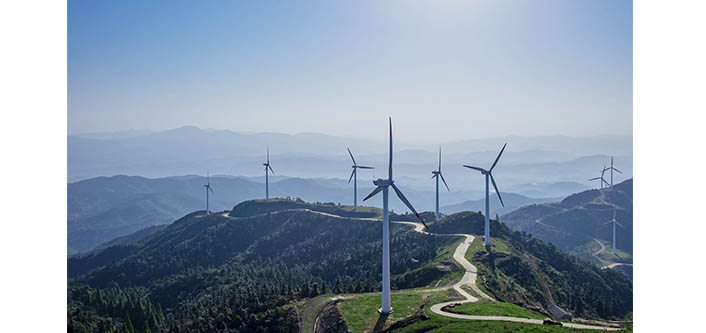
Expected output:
(380, 311)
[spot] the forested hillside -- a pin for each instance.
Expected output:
(574, 223)
(242, 273)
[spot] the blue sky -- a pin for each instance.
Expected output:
(444, 70)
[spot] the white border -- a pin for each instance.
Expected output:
(668, 111)
(33, 167)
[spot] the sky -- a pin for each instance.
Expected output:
(444, 70)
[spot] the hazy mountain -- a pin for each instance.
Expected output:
(512, 201)
(246, 267)
(190, 150)
(547, 190)
(573, 223)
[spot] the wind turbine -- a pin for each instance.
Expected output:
(611, 172)
(437, 175)
(602, 180)
(208, 188)
(614, 221)
(354, 175)
(267, 179)
(489, 176)
(383, 185)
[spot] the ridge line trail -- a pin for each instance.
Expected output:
(469, 278)
(613, 265)
(599, 251)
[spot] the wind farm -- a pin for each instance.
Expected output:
(158, 93)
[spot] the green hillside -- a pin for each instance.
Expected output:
(531, 273)
(216, 271)
(250, 268)
(576, 224)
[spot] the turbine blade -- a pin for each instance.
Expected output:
(389, 166)
(268, 155)
(352, 173)
(210, 189)
(432, 177)
(618, 223)
(270, 167)
(474, 168)
(496, 190)
(611, 221)
(618, 171)
(373, 193)
(444, 180)
(440, 159)
(498, 158)
(406, 202)
(349, 153)
(363, 167)
(595, 178)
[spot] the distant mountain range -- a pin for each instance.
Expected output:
(512, 201)
(190, 150)
(103, 208)
(577, 222)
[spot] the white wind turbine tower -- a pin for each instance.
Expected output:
(267, 179)
(354, 176)
(611, 172)
(437, 175)
(614, 221)
(489, 177)
(383, 185)
(208, 188)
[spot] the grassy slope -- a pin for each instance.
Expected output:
(360, 312)
(488, 308)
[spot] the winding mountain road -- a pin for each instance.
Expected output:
(613, 265)
(468, 279)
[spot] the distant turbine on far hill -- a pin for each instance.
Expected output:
(354, 176)
(208, 188)
(602, 180)
(384, 185)
(614, 221)
(437, 175)
(489, 177)
(612, 168)
(267, 179)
